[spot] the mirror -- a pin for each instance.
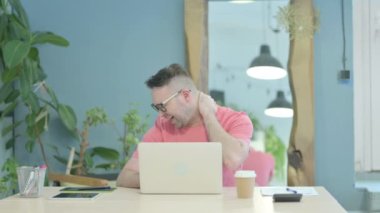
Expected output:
(236, 32)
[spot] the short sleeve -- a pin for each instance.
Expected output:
(237, 124)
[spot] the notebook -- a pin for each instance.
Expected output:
(180, 168)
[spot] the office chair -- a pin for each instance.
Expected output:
(262, 163)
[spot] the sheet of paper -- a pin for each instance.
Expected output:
(306, 191)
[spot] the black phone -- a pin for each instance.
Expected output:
(293, 197)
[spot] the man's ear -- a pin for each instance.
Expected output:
(186, 94)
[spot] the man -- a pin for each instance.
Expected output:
(188, 115)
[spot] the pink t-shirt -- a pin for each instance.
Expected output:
(235, 123)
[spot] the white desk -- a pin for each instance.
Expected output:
(131, 201)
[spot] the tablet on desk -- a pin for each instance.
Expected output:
(75, 196)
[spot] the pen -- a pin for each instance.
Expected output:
(291, 190)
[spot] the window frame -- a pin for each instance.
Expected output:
(366, 104)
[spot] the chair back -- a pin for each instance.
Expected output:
(262, 163)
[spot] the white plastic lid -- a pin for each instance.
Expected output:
(245, 173)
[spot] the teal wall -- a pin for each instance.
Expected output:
(334, 133)
(116, 45)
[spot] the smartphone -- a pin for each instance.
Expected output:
(288, 197)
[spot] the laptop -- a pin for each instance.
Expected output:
(181, 168)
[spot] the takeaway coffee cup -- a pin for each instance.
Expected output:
(245, 183)
(31, 180)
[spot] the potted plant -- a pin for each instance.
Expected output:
(84, 163)
(23, 81)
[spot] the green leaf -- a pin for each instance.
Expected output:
(14, 52)
(18, 28)
(105, 166)
(68, 117)
(29, 146)
(52, 95)
(10, 143)
(25, 85)
(17, 6)
(28, 71)
(6, 130)
(10, 74)
(33, 54)
(9, 109)
(95, 116)
(60, 159)
(105, 153)
(49, 37)
(35, 129)
(42, 114)
(9, 128)
(31, 71)
(88, 161)
(5, 91)
(32, 101)
(3, 24)
(13, 96)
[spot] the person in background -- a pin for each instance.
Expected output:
(186, 114)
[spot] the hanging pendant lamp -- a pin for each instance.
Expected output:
(265, 66)
(279, 107)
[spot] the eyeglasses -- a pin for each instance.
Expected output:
(161, 106)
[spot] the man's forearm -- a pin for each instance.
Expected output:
(128, 178)
(234, 150)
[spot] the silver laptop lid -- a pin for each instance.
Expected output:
(181, 168)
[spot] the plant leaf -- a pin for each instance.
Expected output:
(68, 117)
(29, 146)
(13, 96)
(105, 166)
(10, 74)
(10, 108)
(5, 91)
(3, 24)
(35, 128)
(52, 95)
(60, 159)
(33, 102)
(18, 28)
(49, 37)
(105, 153)
(10, 143)
(16, 4)
(9, 128)
(14, 52)
(25, 85)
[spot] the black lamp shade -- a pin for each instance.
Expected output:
(265, 66)
(280, 107)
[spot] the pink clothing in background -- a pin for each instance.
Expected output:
(262, 163)
(237, 124)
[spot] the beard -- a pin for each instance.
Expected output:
(178, 123)
(182, 119)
